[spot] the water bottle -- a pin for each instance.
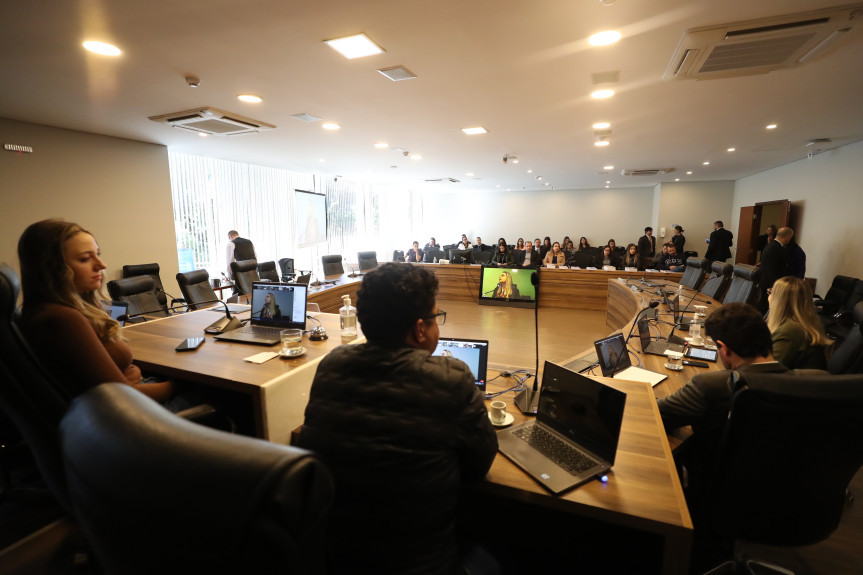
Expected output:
(348, 318)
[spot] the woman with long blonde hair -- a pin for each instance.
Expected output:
(63, 318)
(798, 337)
(505, 288)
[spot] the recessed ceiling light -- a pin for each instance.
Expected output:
(602, 94)
(203, 135)
(601, 143)
(468, 174)
(356, 46)
(530, 171)
(731, 149)
(771, 126)
(604, 38)
(472, 131)
(330, 126)
(545, 183)
(607, 168)
(416, 157)
(706, 163)
(607, 181)
(250, 98)
(601, 126)
(606, 187)
(676, 179)
(102, 48)
(688, 173)
(322, 160)
(382, 145)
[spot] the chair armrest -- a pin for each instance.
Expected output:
(207, 415)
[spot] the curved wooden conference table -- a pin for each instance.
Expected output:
(643, 491)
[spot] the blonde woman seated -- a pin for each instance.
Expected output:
(505, 288)
(798, 337)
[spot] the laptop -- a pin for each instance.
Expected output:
(654, 347)
(117, 310)
(582, 364)
(304, 279)
(575, 434)
(614, 361)
(679, 320)
(474, 352)
(264, 328)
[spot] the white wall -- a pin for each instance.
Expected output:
(827, 192)
(621, 214)
(118, 189)
(694, 206)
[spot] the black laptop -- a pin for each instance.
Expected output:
(474, 352)
(654, 347)
(275, 307)
(679, 318)
(575, 434)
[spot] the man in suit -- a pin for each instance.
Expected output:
(744, 345)
(646, 246)
(239, 249)
(720, 242)
(774, 263)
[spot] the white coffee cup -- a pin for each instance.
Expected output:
(498, 412)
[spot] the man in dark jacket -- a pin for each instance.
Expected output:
(720, 242)
(646, 247)
(774, 263)
(401, 430)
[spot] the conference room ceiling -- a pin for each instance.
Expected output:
(522, 70)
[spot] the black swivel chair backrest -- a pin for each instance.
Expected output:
(367, 261)
(140, 293)
(835, 298)
(398, 255)
(155, 493)
(744, 285)
(287, 267)
(333, 265)
(481, 256)
(583, 259)
(716, 283)
(695, 271)
(518, 257)
(848, 355)
(245, 273)
(151, 270)
(267, 271)
(790, 447)
(31, 398)
(196, 288)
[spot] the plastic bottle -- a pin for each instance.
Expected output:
(348, 318)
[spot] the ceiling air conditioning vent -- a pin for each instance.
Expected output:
(213, 121)
(760, 46)
(652, 172)
(450, 180)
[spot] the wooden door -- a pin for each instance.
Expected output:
(747, 234)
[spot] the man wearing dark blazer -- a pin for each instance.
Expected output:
(646, 247)
(774, 263)
(720, 241)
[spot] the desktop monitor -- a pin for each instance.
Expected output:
(460, 256)
(506, 286)
(474, 352)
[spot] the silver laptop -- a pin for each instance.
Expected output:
(274, 307)
(614, 361)
(575, 434)
(654, 347)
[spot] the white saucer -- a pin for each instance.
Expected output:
(689, 340)
(292, 356)
(506, 420)
(673, 367)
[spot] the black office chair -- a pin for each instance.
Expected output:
(716, 283)
(481, 256)
(245, 273)
(583, 259)
(332, 265)
(196, 288)
(695, 271)
(267, 272)
(848, 355)
(834, 300)
(398, 255)
(286, 265)
(155, 493)
(744, 286)
(368, 261)
(140, 293)
(518, 257)
(151, 270)
(839, 324)
(790, 447)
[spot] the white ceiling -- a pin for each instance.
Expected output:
(520, 69)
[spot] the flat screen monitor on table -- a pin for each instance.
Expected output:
(507, 286)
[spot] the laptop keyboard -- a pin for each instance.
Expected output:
(558, 451)
(261, 331)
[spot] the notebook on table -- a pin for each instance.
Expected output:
(614, 361)
(575, 434)
(655, 347)
(274, 307)
(474, 352)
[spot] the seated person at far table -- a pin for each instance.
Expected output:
(555, 255)
(609, 258)
(671, 260)
(744, 345)
(415, 254)
(502, 256)
(401, 430)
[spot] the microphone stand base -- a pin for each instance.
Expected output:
(527, 401)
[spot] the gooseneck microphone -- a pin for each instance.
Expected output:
(528, 399)
(223, 324)
(625, 350)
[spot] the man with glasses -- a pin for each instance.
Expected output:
(401, 430)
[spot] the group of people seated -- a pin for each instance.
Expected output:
(545, 252)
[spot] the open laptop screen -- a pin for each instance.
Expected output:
(279, 305)
(612, 354)
(474, 352)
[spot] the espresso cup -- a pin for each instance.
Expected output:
(498, 412)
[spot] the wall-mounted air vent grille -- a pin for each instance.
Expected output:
(444, 180)
(760, 46)
(213, 121)
(650, 172)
